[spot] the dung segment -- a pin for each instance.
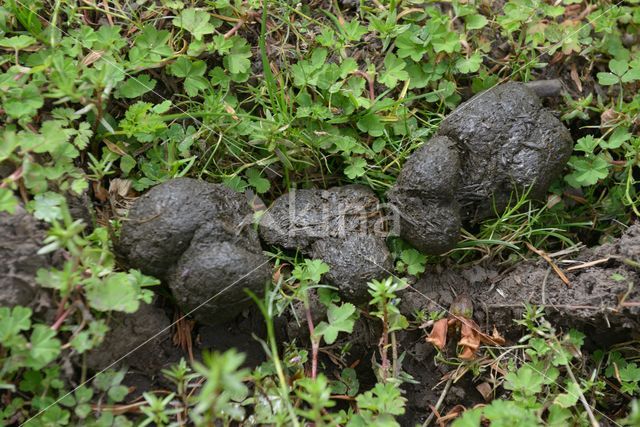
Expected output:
(198, 238)
(499, 142)
(342, 226)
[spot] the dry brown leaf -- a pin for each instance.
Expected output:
(438, 335)
(496, 337)
(119, 187)
(609, 117)
(229, 109)
(277, 275)
(467, 353)
(485, 390)
(100, 192)
(576, 78)
(453, 413)
(470, 333)
(92, 57)
(114, 148)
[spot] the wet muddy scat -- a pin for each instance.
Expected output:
(197, 238)
(424, 197)
(342, 226)
(500, 142)
(507, 141)
(353, 262)
(431, 226)
(432, 171)
(298, 218)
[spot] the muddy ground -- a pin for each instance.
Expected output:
(597, 301)
(200, 240)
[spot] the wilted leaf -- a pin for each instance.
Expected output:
(438, 335)
(485, 390)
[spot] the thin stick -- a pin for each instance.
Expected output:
(314, 342)
(234, 30)
(589, 264)
(544, 286)
(592, 418)
(546, 257)
(438, 403)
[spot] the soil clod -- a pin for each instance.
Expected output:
(21, 237)
(141, 340)
(601, 299)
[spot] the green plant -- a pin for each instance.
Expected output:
(543, 386)
(384, 299)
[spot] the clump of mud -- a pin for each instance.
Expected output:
(141, 340)
(499, 142)
(21, 237)
(342, 226)
(602, 295)
(598, 301)
(197, 238)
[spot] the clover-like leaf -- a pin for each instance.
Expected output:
(607, 79)
(194, 21)
(525, 380)
(44, 347)
(193, 74)
(587, 171)
(48, 206)
(570, 398)
(475, 21)
(13, 321)
(616, 139)
(17, 42)
(618, 67)
(340, 319)
(117, 292)
(254, 179)
(237, 60)
(8, 202)
(393, 71)
(356, 168)
(414, 260)
(372, 124)
(470, 64)
(23, 102)
(137, 86)
(311, 270)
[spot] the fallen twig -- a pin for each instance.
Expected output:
(438, 403)
(546, 257)
(589, 264)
